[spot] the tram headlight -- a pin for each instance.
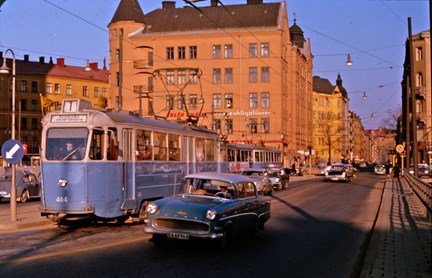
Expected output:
(152, 208)
(62, 182)
(211, 214)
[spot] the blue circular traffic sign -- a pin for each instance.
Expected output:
(12, 151)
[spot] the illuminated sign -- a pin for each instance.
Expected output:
(75, 118)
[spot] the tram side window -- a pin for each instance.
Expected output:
(173, 147)
(257, 158)
(97, 142)
(112, 149)
(231, 155)
(143, 145)
(210, 149)
(160, 146)
(199, 149)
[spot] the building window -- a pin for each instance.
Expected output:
(193, 53)
(253, 100)
(68, 89)
(181, 77)
(229, 101)
(180, 103)
(117, 55)
(181, 52)
(170, 77)
(23, 104)
(253, 125)
(170, 53)
(96, 91)
(265, 49)
(85, 91)
(24, 123)
(169, 102)
(193, 99)
(117, 79)
(216, 101)
(419, 79)
(57, 88)
(265, 100)
(228, 126)
(253, 50)
(34, 123)
(265, 74)
(217, 124)
(265, 122)
(34, 87)
(24, 86)
(216, 51)
(34, 105)
(228, 51)
(49, 88)
(193, 77)
(228, 75)
(216, 76)
(253, 75)
(419, 53)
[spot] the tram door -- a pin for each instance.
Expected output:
(128, 171)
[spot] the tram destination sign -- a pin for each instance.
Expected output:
(75, 118)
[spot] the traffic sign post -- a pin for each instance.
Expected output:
(13, 151)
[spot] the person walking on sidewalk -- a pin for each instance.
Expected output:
(396, 171)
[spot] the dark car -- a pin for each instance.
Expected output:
(216, 206)
(262, 183)
(423, 170)
(340, 172)
(27, 186)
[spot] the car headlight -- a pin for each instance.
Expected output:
(152, 208)
(211, 214)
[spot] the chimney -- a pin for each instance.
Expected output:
(60, 62)
(26, 57)
(253, 2)
(51, 61)
(94, 66)
(104, 66)
(214, 3)
(167, 5)
(339, 80)
(1, 56)
(41, 60)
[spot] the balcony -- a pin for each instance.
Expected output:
(420, 92)
(143, 64)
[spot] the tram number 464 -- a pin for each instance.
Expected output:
(61, 199)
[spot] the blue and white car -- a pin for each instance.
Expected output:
(216, 206)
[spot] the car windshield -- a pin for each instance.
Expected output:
(209, 187)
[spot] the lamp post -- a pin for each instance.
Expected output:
(4, 69)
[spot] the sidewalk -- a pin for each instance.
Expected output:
(27, 218)
(400, 243)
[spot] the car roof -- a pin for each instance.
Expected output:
(228, 177)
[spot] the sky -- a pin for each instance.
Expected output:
(373, 32)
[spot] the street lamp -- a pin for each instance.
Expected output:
(4, 69)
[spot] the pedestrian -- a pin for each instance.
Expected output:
(396, 171)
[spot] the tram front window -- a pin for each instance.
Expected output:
(66, 143)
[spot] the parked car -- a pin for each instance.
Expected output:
(27, 186)
(340, 172)
(262, 183)
(380, 169)
(423, 170)
(216, 206)
(278, 177)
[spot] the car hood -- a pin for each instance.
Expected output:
(5, 186)
(188, 206)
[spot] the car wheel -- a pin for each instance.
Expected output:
(24, 196)
(224, 241)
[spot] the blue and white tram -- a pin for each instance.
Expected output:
(237, 157)
(117, 160)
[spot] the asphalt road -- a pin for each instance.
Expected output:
(317, 229)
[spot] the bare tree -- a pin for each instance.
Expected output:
(391, 120)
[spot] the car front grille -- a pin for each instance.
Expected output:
(181, 225)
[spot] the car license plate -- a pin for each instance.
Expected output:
(178, 236)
